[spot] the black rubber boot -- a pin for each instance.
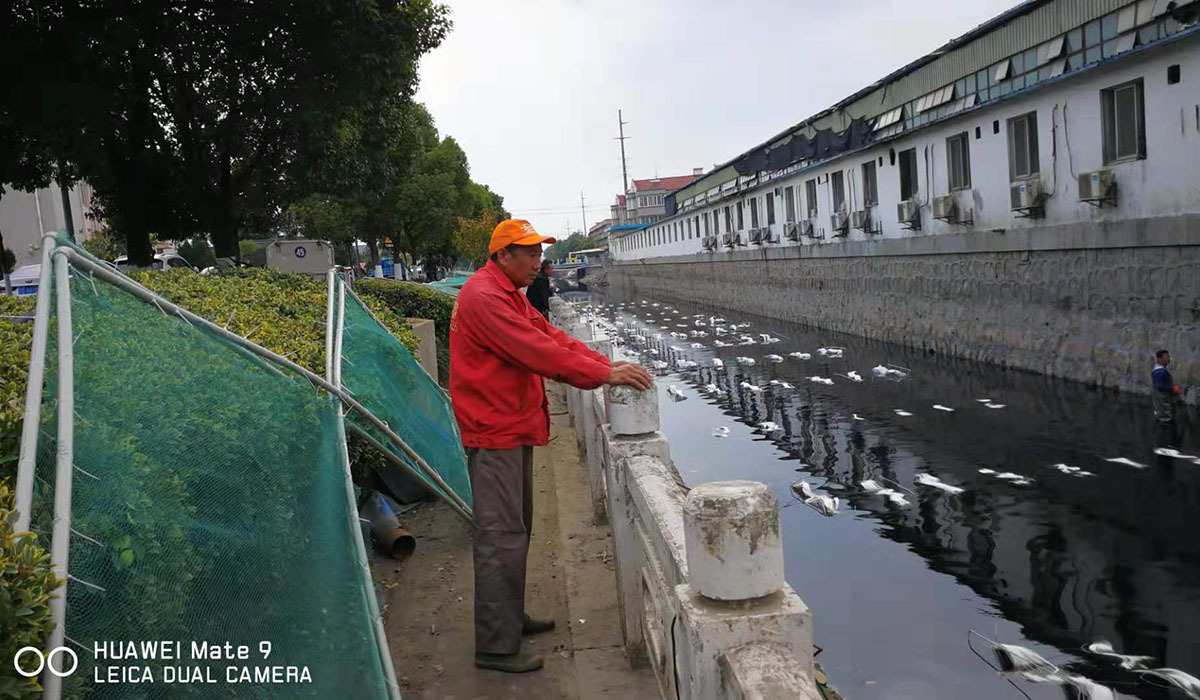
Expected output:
(534, 626)
(520, 662)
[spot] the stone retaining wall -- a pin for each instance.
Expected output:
(1094, 315)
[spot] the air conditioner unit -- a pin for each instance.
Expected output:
(1098, 187)
(909, 213)
(945, 208)
(861, 220)
(1026, 196)
(730, 239)
(806, 227)
(710, 242)
(770, 235)
(839, 222)
(756, 236)
(792, 231)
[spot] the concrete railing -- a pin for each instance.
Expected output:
(700, 573)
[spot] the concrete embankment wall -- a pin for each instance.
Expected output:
(1089, 302)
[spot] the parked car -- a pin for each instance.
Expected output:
(25, 279)
(169, 261)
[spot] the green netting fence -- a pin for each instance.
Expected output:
(199, 492)
(377, 370)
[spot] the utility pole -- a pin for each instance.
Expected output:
(624, 173)
(583, 212)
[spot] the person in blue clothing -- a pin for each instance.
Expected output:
(1164, 396)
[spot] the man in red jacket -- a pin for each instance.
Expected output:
(500, 348)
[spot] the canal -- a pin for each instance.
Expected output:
(1004, 516)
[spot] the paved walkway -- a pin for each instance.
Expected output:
(427, 599)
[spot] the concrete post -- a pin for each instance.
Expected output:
(637, 417)
(732, 533)
(631, 411)
(736, 595)
(585, 426)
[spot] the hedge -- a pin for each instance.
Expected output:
(411, 300)
(282, 312)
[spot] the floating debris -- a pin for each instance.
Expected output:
(1071, 471)
(723, 344)
(699, 334)
(901, 412)
(717, 363)
(933, 481)
(774, 358)
(802, 489)
(855, 416)
(781, 384)
(751, 387)
(831, 352)
(825, 505)
(800, 355)
(747, 340)
(746, 360)
(769, 427)
(653, 351)
(1185, 682)
(686, 364)
(658, 364)
(1171, 452)
(721, 432)
(987, 471)
(995, 405)
(870, 485)
(821, 380)
(1126, 661)
(1126, 461)
(767, 339)
(697, 346)
(854, 376)
(675, 394)
(881, 371)
(940, 407)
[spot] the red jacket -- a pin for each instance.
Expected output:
(499, 344)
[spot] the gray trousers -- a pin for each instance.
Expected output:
(502, 491)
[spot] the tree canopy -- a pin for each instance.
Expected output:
(231, 120)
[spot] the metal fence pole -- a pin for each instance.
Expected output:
(60, 544)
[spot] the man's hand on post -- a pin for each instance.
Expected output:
(630, 374)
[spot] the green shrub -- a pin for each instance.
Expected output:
(409, 300)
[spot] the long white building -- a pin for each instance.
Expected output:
(1058, 113)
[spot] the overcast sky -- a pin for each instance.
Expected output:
(531, 88)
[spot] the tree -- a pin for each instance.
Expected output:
(105, 244)
(197, 111)
(560, 249)
(198, 253)
(472, 236)
(431, 198)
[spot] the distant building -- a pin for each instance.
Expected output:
(645, 202)
(26, 216)
(599, 232)
(619, 216)
(1058, 115)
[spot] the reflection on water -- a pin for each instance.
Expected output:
(1055, 564)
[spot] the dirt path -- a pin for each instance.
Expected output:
(428, 599)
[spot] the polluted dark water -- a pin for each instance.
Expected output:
(1003, 517)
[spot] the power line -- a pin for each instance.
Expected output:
(624, 172)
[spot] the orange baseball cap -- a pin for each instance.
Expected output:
(515, 232)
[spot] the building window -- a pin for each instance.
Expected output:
(789, 203)
(870, 184)
(837, 185)
(696, 225)
(909, 182)
(1123, 122)
(1022, 146)
(740, 220)
(810, 190)
(707, 227)
(770, 209)
(754, 212)
(729, 219)
(958, 161)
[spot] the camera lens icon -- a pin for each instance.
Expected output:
(45, 661)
